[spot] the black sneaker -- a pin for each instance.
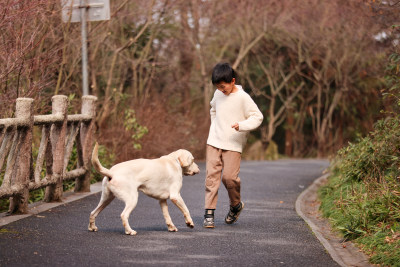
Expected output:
(234, 213)
(209, 219)
(209, 222)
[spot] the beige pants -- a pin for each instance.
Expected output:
(228, 163)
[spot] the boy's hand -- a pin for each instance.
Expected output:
(236, 126)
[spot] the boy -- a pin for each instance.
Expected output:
(233, 115)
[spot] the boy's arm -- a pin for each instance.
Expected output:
(212, 110)
(253, 115)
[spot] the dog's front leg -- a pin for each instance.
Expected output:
(168, 220)
(178, 201)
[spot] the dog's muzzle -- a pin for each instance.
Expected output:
(191, 170)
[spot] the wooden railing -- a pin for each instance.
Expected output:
(59, 132)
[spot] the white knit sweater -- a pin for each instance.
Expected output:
(226, 111)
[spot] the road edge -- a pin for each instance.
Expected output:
(345, 254)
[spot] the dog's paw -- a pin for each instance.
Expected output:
(190, 224)
(172, 228)
(92, 228)
(131, 232)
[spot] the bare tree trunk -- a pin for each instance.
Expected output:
(325, 124)
(289, 132)
(185, 61)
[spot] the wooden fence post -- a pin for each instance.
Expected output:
(24, 111)
(57, 144)
(86, 141)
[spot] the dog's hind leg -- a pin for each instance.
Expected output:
(130, 204)
(106, 197)
(178, 201)
(168, 221)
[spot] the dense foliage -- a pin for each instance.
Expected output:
(362, 198)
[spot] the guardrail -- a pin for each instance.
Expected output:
(60, 131)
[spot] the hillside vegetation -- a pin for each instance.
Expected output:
(313, 67)
(362, 197)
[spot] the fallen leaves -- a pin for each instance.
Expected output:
(393, 238)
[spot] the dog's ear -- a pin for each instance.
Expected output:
(184, 158)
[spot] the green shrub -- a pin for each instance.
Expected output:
(362, 197)
(131, 124)
(374, 156)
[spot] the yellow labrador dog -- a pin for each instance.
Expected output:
(158, 178)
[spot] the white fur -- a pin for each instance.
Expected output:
(158, 178)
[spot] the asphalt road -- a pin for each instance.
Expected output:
(268, 233)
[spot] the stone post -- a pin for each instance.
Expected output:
(86, 140)
(57, 143)
(24, 112)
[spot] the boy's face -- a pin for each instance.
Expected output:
(226, 88)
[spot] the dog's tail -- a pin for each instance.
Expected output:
(97, 165)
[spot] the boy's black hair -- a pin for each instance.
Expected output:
(222, 72)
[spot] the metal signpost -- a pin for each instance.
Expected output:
(83, 11)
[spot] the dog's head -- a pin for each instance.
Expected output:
(186, 160)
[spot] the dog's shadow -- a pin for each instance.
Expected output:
(139, 230)
(151, 229)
